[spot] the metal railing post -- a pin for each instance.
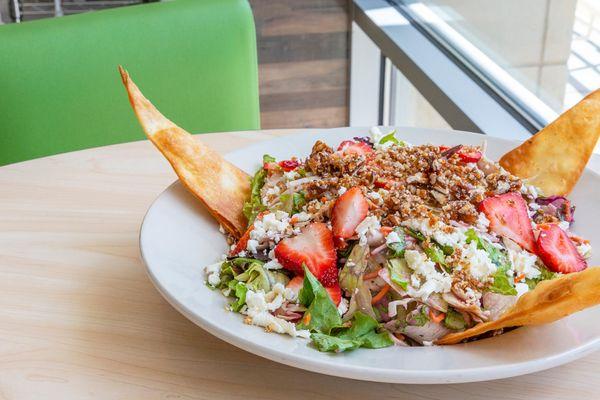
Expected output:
(17, 11)
(58, 11)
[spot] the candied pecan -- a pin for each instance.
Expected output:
(461, 210)
(409, 182)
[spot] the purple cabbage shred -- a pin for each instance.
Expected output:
(558, 206)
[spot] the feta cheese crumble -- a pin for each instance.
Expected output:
(369, 225)
(524, 263)
(375, 196)
(392, 237)
(272, 227)
(343, 306)
(426, 279)
(302, 217)
(521, 289)
(259, 305)
(213, 273)
(291, 175)
(530, 190)
(445, 235)
(482, 222)
(273, 264)
(585, 249)
(479, 264)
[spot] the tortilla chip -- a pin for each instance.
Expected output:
(219, 185)
(555, 157)
(550, 301)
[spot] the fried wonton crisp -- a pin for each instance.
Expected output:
(555, 157)
(219, 185)
(550, 301)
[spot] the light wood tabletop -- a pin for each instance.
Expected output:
(80, 319)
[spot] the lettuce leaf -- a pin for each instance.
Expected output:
(322, 315)
(444, 249)
(292, 203)
(454, 320)
(351, 281)
(361, 333)
(503, 284)
(390, 137)
(336, 344)
(239, 291)
(354, 268)
(240, 274)
(399, 272)
(419, 318)
(254, 205)
(396, 249)
(496, 255)
(299, 201)
(415, 234)
(546, 274)
(436, 254)
(360, 301)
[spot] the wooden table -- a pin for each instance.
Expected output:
(79, 318)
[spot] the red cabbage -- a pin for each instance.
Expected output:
(558, 206)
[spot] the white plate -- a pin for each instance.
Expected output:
(178, 238)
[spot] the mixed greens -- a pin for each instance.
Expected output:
(331, 258)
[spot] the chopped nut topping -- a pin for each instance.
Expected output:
(410, 182)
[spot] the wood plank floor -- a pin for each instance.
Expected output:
(303, 54)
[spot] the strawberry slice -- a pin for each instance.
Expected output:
(289, 165)
(508, 217)
(349, 210)
(557, 251)
(352, 147)
(314, 248)
(470, 157)
(335, 292)
(465, 156)
(242, 243)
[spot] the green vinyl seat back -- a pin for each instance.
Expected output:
(60, 89)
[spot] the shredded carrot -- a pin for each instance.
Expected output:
(323, 199)
(380, 295)
(519, 278)
(399, 336)
(294, 219)
(437, 318)
(371, 275)
(306, 319)
(385, 230)
(567, 210)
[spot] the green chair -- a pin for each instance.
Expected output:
(60, 89)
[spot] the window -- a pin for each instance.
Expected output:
(505, 68)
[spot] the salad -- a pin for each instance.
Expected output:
(377, 243)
